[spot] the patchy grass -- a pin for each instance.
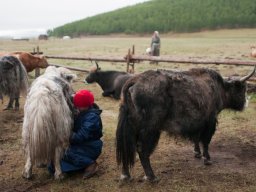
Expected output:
(233, 146)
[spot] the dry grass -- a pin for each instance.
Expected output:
(233, 147)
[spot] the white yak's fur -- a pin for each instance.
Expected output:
(47, 120)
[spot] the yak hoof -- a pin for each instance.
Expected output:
(7, 108)
(197, 155)
(27, 175)
(59, 177)
(105, 94)
(207, 162)
(151, 179)
(125, 178)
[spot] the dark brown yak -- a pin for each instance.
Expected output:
(181, 103)
(13, 80)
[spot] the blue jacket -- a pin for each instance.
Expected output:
(87, 127)
(85, 143)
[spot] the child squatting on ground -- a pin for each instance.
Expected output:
(85, 142)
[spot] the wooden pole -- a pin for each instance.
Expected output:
(128, 60)
(133, 63)
(137, 59)
(71, 68)
(37, 70)
(107, 59)
(192, 61)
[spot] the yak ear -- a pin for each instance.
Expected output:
(70, 77)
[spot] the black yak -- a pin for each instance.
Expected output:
(111, 82)
(13, 80)
(181, 103)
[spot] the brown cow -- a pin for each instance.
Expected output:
(28, 60)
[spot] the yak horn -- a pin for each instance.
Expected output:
(97, 64)
(98, 68)
(245, 78)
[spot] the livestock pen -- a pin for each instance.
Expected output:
(233, 147)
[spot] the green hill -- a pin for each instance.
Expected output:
(166, 16)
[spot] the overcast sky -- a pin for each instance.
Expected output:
(25, 15)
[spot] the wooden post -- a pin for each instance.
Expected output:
(133, 52)
(128, 60)
(37, 70)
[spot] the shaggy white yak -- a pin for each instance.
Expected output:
(47, 119)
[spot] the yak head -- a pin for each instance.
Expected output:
(42, 63)
(61, 72)
(235, 91)
(93, 74)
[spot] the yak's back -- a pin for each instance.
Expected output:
(175, 92)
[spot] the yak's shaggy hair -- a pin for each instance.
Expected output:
(47, 119)
(182, 103)
(13, 80)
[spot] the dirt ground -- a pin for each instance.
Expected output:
(233, 151)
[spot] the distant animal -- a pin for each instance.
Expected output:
(13, 80)
(48, 120)
(184, 103)
(28, 60)
(148, 51)
(43, 37)
(111, 82)
(253, 51)
(66, 37)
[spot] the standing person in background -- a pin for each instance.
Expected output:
(155, 44)
(85, 142)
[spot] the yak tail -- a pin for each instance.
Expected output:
(126, 132)
(47, 124)
(24, 80)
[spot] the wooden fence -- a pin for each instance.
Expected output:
(130, 59)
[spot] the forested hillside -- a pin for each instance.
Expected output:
(166, 16)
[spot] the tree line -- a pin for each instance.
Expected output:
(165, 16)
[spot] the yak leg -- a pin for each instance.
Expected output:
(206, 139)
(116, 95)
(207, 158)
(146, 145)
(125, 176)
(17, 104)
(58, 175)
(197, 151)
(13, 96)
(10, 104)
(107, 93)
(1, 98)
(27, 172)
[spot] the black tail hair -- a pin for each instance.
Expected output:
(126, 132)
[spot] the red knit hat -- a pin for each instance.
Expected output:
(83, 98)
